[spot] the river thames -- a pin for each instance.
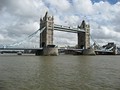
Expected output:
(63, 72)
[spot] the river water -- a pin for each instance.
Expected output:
(64, 72)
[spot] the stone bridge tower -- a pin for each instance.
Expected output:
(84, 37)
(46, 37)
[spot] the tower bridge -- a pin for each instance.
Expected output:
(46, 37)
(47, 47)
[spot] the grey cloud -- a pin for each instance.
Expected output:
(17, 20)
(116, 22)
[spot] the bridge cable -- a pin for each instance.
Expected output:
(28, 37)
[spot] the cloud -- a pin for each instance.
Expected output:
(83, 6)
(62, 5)
(20, 18)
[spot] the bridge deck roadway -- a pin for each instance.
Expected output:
(2, 49)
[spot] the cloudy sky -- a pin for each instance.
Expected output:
(20, 18)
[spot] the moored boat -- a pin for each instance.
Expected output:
(19, 53)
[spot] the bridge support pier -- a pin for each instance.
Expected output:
(47, 51)
(89, 51)
(50, 51)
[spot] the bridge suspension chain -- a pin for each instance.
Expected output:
(98, 46)
(95, 42)
(25, 39)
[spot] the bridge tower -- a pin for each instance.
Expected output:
(84, 37)
(46, 37)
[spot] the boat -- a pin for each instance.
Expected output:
(19, 53)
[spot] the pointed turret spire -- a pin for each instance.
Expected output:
(46, 13)
(83, 24)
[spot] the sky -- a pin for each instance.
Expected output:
(20, 18)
